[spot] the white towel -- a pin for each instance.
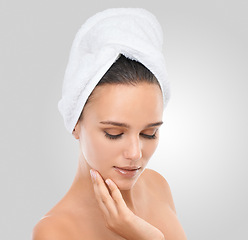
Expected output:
(133, 32)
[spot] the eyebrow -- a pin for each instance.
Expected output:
(118, 124)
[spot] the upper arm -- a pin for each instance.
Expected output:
(161, 187)
(51, 228)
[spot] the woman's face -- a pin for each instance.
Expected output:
(119, 130)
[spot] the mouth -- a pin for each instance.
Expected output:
(128, 168)
(127, 171)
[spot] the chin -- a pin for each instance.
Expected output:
(125, 185)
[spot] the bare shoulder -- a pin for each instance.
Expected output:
(155, 180)
(160, 197)
(53, 227)
(159, 186)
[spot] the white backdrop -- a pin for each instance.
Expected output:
(203, 148)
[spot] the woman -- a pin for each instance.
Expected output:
(113, 196)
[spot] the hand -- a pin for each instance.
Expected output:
(119, 218)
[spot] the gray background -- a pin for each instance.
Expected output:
(203, 147)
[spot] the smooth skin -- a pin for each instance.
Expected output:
(120, 128)
(119, 218)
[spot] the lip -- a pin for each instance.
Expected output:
(127, 171)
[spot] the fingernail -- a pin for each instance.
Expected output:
(92, 173)
(108, 182)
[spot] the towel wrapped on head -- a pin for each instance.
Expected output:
(132, 32)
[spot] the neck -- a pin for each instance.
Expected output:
(129, 199)
(83, 181)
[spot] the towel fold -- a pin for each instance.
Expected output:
(133, 32)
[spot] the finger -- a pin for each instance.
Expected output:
(103, 196)
(116, 195)
(97, 195)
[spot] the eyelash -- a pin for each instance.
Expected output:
(112, 137)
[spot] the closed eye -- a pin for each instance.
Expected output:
(149, 136)
(110, 136)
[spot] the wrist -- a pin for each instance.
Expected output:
(142, 230)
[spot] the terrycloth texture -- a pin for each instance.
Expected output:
(133, 32)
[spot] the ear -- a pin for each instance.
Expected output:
(76, 131)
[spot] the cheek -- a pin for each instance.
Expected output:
(149, 148)
(98, 151)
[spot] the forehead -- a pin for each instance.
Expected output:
(142, 102)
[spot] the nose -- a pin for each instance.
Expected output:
(133, 149)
